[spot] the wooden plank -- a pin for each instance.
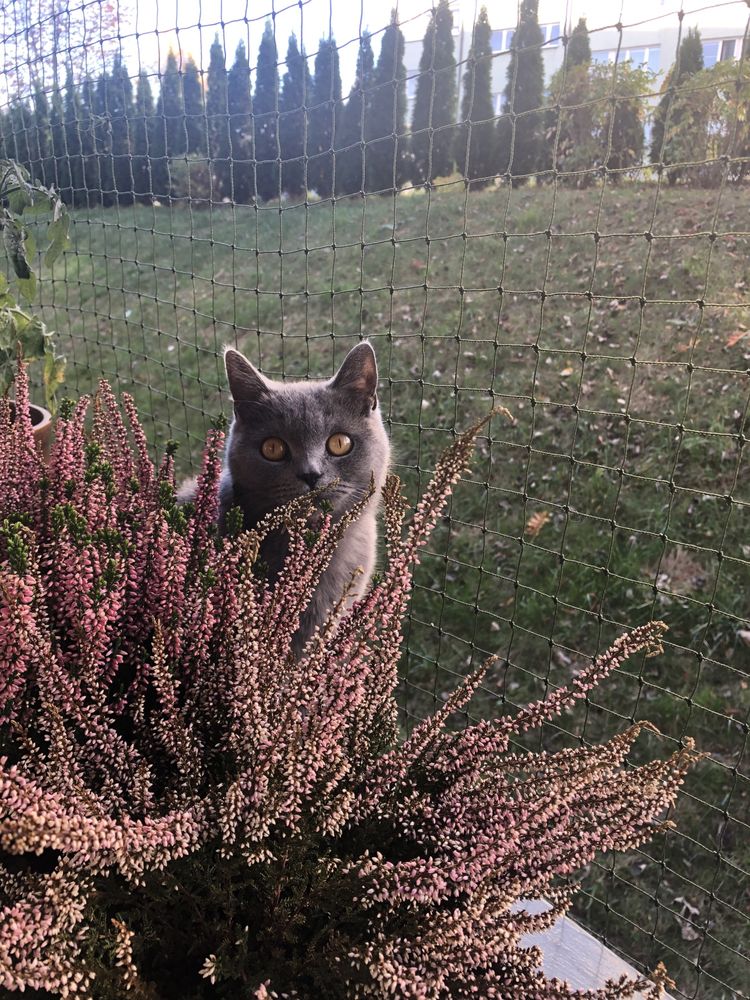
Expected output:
(573, 955)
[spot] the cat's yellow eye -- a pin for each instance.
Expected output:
(339, 444)
(274, 449)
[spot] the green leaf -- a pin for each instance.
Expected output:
(57, 232)
(28, 286)
(53, 377)
(14, 237)
(33, 339)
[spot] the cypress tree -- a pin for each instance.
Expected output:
(61, 166)
(350, 176)
(579, 46)
(75, 193)
(41, 138)
(689, 61)
(523, 93)
(121, 115)
(239, 181)
(621, 137)
(102, 128)
(144, 126)
(570, 138)
(387, 144)
(266, 109)
(296, 96)
(20, 121)
(323, 118)
(435, 104)
(171, 107)
(195, 112)
(476, 146)
(92, 178)
(217, 117)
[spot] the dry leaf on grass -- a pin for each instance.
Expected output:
(736, 337)
(536, 522)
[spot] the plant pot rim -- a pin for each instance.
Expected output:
(46, 417)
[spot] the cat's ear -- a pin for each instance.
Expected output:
(358, 375)
(246, 383)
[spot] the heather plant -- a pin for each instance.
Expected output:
(188, 811)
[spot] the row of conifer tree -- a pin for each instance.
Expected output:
(108, 140)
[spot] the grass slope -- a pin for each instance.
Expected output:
(614, 325)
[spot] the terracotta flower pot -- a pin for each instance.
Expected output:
(41, 421)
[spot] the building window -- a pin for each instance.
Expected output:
(645, 58)
(719, 50)
(551, 34)
(502, 39)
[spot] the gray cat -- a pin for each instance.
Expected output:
(287, 439)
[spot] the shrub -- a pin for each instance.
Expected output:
(601, 111)
(210, 817)
(191, 179)
(707, 135)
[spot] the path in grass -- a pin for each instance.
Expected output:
(612, 325)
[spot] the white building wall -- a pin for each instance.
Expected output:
(650, 35)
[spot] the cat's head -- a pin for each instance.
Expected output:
(289, 438)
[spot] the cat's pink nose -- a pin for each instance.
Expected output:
(312, 478)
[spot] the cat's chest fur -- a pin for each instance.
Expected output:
(287, 439)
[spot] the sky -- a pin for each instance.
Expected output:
(150, 28)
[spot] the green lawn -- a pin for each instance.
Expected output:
(614, 325)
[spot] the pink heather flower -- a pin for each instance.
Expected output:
(157, 726)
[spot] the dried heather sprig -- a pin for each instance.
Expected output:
(170, 754)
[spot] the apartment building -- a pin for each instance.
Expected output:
(649, 35)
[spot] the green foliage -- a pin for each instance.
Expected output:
(350, 158)
(571, 137)
(237, 176)
(217, 114)
(620, 115)
(121, 114)
(387, 144)
(601, 119)
(190, 179)
(689, 62)
(435, 103)
(143, 125)
(476, 145)
(266, 120)
(41, 138)
(171, 107)
(709, 126)
(195, 110)
(73, 190)
(21, 199)
(323, 118)
(521, 130)
(579, 47)
(296, 91)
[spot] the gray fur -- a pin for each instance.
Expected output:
(304, 415)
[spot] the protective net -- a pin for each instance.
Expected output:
(527, 210)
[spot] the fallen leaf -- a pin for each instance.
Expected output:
(565, 372)
(536, 522)
(736, 337)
